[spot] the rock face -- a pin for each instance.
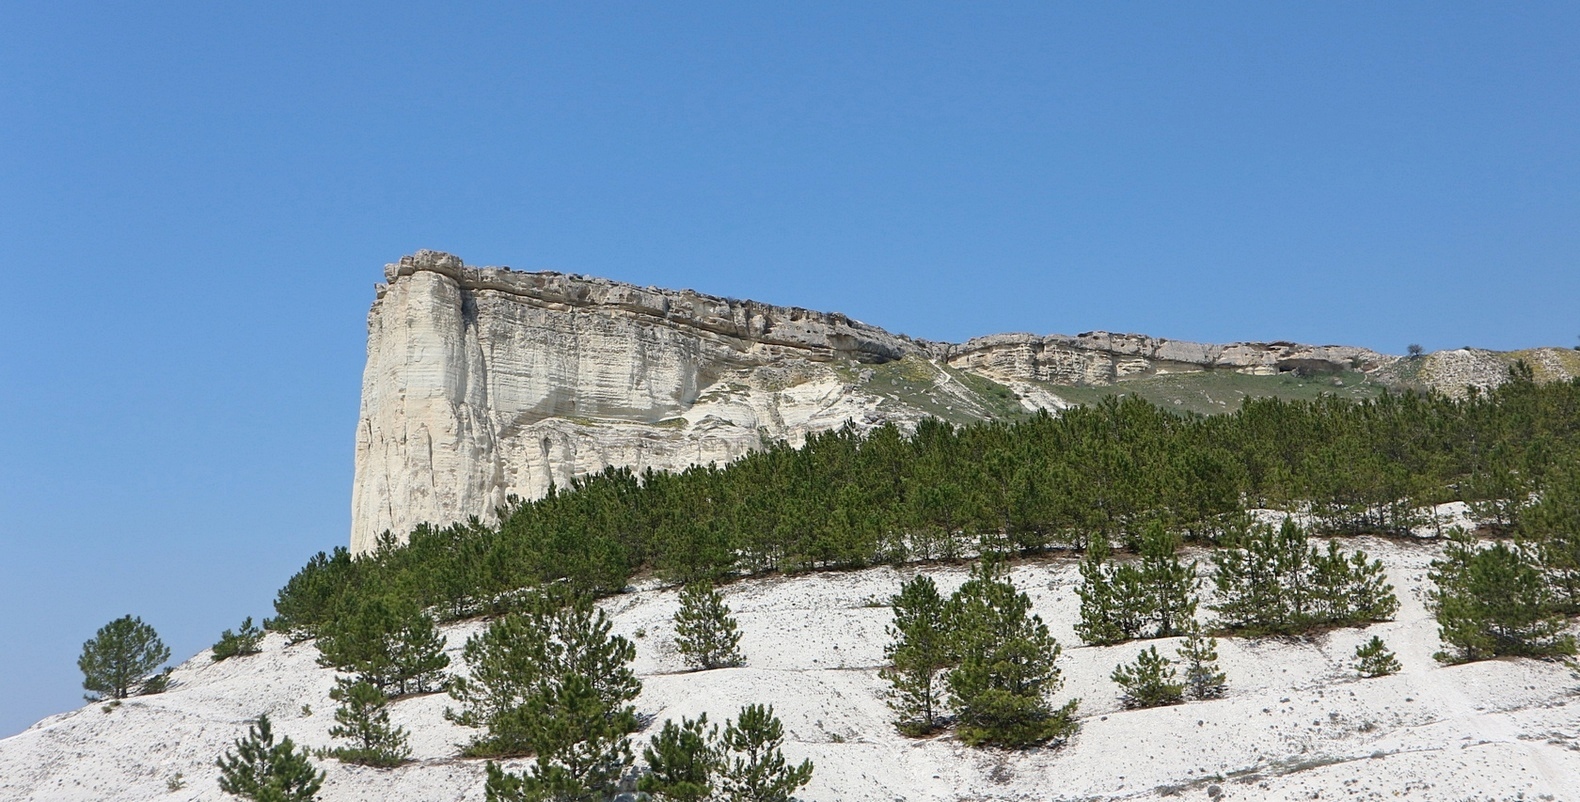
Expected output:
(484, 382)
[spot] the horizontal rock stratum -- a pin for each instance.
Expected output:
(485, 382)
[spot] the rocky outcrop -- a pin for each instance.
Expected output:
(1100, 358)
(484, 382)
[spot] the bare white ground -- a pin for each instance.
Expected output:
(1297, 722)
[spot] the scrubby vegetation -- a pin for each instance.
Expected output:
(1150, 681)
(246, 640)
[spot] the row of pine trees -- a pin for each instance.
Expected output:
(1098, 477)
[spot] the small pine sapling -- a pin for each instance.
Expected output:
(156, 683)
(241, 643)
(264, 771)
(363, 719)
(681, 762)
(1203, 679)
(1372, 659)
(705, 632)
(752, 764)
(1149, 682)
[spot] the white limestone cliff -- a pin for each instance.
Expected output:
(484, 382)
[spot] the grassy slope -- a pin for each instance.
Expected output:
(1213, 392)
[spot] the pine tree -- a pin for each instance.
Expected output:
(1172, 585)
(705, 633)
(754, 768)
(392, 644)
(243, 642)
(263, 771)
(1494, 601)
(363, 719)
(581, 748)
(1275, 582)
(120, 657)
(1006, 670)
(1149, 682)
(1103, 622)
(682, 761)
(918, 650)
(417, 657)
(1203, 679)
(551, 682)
(1552, 526)
(1372, 659)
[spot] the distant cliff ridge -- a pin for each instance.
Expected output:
(483, 382)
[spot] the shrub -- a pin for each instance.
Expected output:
(240, 643)
(119, 658)
(1149, 682)
(1372, 659)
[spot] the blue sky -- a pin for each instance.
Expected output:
(195, 200)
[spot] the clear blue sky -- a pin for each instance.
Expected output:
(196, 199)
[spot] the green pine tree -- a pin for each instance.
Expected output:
(263, 771)
(1203, 679)
(705, 632)
(363, 719)
(417, 657)
(1000, 686)
(243, 642)
(1372, 659)
(1494, 601)
(546, 680)
(681, 762)
(753, 765)
(1171, 585)
(120, 657)
(390, 643)
(918, 650)
(1149, 682)
(581, 748)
